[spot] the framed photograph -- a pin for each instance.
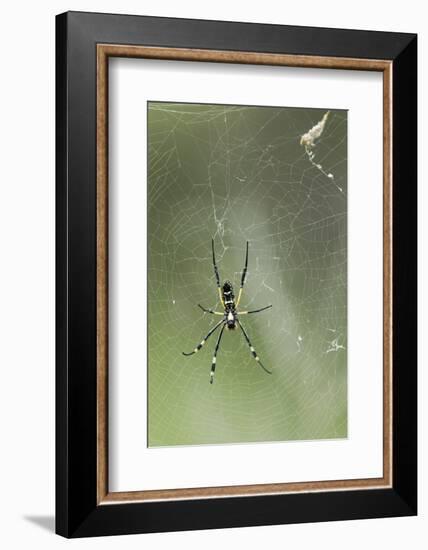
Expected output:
(236, 274)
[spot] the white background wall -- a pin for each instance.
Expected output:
(27, 89)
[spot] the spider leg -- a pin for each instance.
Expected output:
(217, 276)
(253, 351)
(254, 311)
(244, 273)
(211, 310)
(215, 354)
(198, 347)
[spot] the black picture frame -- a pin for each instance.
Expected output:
(78, 513)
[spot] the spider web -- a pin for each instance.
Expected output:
(238, 173)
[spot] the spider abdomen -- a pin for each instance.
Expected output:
(228, 295)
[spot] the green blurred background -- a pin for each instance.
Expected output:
(238, 173)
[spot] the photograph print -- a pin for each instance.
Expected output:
(247, 274)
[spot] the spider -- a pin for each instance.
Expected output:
(230, 315)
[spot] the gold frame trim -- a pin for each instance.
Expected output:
(104, 51)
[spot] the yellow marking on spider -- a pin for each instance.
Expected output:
(239, 297)
(221, 296)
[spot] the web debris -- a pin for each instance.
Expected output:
(309, 139)
(334, 345)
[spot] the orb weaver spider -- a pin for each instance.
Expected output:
(230, 315)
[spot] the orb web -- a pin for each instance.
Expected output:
(236, 174)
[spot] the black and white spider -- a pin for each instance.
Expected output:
(230, 314)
